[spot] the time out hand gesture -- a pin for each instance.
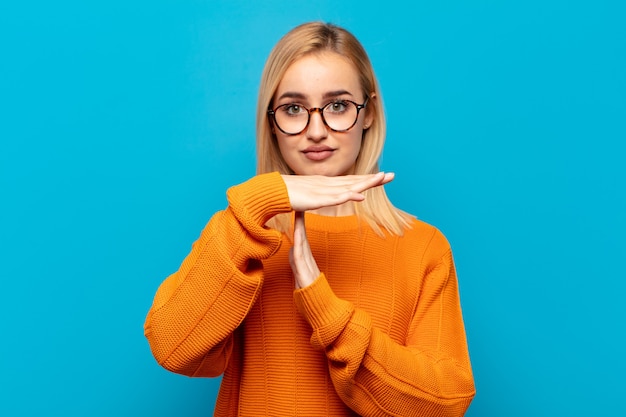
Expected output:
(313, 192)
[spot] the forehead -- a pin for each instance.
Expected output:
(316, 74)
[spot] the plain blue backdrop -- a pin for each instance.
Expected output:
(123, 123)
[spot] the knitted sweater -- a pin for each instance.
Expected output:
(379, 333)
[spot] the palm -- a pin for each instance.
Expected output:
(310, 192)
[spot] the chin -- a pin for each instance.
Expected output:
(327, 172)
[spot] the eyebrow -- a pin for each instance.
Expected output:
(300, 96)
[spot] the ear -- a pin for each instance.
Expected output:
(370, 111)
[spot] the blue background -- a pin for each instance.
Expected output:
(123, 123)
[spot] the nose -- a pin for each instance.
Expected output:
(317, 129)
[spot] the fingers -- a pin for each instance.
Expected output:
(374, 180)
(356, 185)
(388, 177)
(303, 265)
(313, 192)
(299, 231)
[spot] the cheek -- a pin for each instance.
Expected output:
(352, 149)
(287, 151)
(357, 141)
(283, 146)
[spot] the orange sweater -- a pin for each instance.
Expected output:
(379, 333)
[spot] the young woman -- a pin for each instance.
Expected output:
(311, 293)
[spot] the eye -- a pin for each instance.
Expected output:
(292, 109)
(337, 107)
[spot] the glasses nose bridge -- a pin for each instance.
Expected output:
(319, 110)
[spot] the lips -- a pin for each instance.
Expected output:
(318, 153)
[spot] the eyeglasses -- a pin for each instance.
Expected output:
(339, 116)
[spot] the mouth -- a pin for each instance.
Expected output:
(318, 153)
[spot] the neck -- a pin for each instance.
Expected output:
(346, 209)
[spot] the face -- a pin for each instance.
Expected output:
(315, 81)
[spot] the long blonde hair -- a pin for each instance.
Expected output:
(317, 37)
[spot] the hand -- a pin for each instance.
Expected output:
(303, 265)
(310, 192)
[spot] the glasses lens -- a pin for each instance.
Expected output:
(291, 118)
(340, 115)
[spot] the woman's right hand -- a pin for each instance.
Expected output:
(310, 192)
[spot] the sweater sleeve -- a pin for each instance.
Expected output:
(430, 374)
(196, 309)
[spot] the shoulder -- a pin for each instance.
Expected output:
(425, 238)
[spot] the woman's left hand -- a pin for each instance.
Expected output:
(303, 265)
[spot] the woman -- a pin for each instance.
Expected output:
(356, 313)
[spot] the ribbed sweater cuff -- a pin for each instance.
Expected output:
(260, 198)
(323, 310)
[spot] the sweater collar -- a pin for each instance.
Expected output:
(331, 223)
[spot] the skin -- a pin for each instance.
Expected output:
(314, 81)
(324, 186)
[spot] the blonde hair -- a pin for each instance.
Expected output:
(318, 37)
